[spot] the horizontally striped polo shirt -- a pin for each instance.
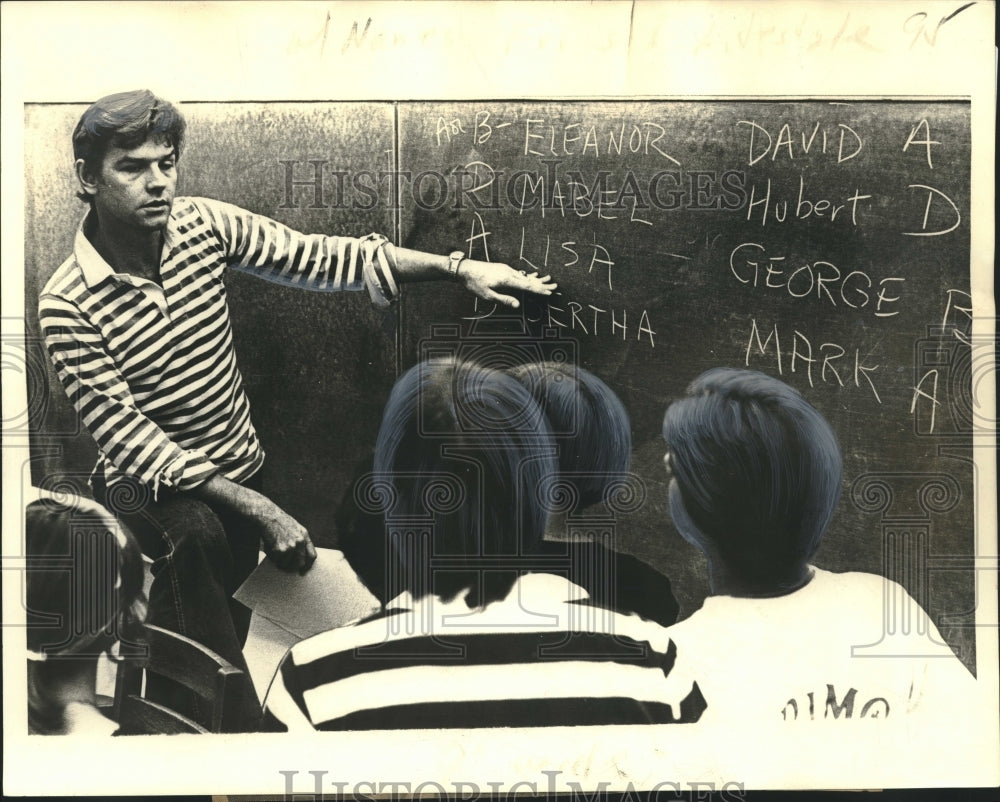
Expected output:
(152, 370)
(533, 659)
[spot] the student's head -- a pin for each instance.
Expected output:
(468, 454)
(589, 423)
(128, 144)
(83, 592)
(755, 476)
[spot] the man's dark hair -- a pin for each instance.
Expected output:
(759, 473)
(125, 120)
(469, 456)
(589, 423)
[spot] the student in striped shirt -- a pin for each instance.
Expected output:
(482, 636)
(137, 326)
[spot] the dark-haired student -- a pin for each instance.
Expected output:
(83, 593)
(137, 325)
(754, 479)
(594, 437)
(478, 638)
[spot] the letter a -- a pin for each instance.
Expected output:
(927, 142)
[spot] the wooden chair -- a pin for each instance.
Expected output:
(212, 679)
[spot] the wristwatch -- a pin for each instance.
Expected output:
(455, 258)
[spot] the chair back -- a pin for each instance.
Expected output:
(210, 678)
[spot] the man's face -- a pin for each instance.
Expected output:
(135, 187)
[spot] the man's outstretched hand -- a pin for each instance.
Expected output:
(493, 281)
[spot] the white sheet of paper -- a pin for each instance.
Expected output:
(266, 645)
(328, 595)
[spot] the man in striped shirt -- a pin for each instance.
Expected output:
(486, 633)
(137, 325)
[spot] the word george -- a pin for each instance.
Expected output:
(749, 265)
(802, 354)
(803, 208)
(876, 707)
(785, 140)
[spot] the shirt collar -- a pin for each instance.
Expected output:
(724, 601)
(92, 265)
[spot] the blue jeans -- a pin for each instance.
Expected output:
(201, 554)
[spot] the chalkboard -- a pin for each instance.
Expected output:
(823, 242)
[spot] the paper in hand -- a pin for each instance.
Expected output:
(328, 595)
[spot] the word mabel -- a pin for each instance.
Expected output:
(483, 187)
(749, 263)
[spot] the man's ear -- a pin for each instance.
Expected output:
(86, 176)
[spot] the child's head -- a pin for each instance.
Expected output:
(756, 474)
(83, 593)
(466, 449)
(589, 423)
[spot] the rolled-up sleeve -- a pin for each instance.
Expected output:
(127, 438)
(272, 251)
